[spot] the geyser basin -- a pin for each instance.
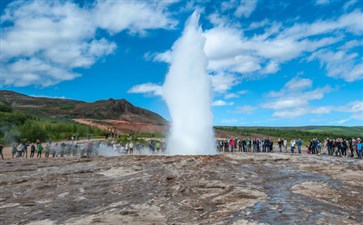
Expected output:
(187, 92)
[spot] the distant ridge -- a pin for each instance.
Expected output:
(72, 109)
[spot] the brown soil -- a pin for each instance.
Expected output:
(123, 126)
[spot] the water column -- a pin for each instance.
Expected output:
(187, 92)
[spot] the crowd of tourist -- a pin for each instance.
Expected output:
(338, 147)
(88, 148)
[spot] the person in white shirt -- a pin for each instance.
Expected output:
(292, 146)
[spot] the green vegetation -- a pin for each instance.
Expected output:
(5, 107)
(16, 126)
(305, 133)
(67, 106)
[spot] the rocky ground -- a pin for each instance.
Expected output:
(240, 188)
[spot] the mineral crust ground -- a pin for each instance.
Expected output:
(238, 188)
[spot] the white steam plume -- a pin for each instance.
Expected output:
(187, 92)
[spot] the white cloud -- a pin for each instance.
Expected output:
(350, 22)
(297, 84)
(271, 68)
(264, 53)
(290, 113)
(300, 111)
(222, 103)
(231, 95)
(247, 109)
(221, 82)
(351, 45)
(355, 107)
(34, 71)
(293, 100)
(242, 92)
(245, 8)
(163, 57)
(293, 85)
(321, 110)
(255, 25)
(137, 16)
(147, 88)
(343, 121)
(59, 36)
(352, 107)
(340, 64)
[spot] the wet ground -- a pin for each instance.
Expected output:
(241, 188)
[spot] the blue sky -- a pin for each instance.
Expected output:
(271, 63)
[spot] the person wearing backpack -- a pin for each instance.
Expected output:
(39, 150)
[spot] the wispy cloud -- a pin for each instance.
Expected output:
(245, 8)
(222, 103)
(148, 89)
(341, 64)
(231, 95)
(293, 100)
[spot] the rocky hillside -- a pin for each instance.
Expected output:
(66, 108)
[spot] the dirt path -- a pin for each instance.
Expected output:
(239, 188)
(123, 126)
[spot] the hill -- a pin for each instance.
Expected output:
(121, 110)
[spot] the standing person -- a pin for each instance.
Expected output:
(63, 146)
(244, 145)
(359, 148)
(39, 150)
(75, 149)
(292, 142)
(344, 148)
(351, 147)
(55, 150)
(299, 143)
(32, 151)
(20, 150)
(25, 149)
(226, 146)
(279, 142)
(131, 147)
(285, 144)
(267, 145)
(13, 151)
(231, 143)
(47, 150)
(330, 145)
(1, 151)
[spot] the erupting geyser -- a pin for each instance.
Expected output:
(187, 92)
